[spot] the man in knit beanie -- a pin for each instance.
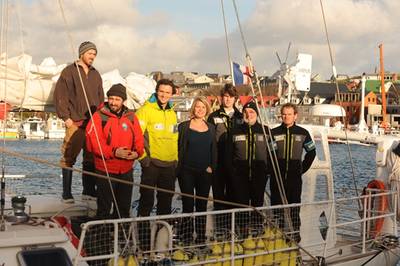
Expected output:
(115, 134)
(77, 82)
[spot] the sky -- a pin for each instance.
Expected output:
(181, 35)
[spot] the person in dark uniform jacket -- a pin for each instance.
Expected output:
(248, 160)
(291, 140)
(224, 119)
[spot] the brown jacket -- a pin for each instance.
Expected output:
(69, 99)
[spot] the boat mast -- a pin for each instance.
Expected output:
(362, 125)
(384, 123)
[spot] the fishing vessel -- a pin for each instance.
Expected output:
(33, 128)
(55, 128)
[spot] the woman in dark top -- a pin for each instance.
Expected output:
(196, 164)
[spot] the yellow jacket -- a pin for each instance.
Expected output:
(160, 133)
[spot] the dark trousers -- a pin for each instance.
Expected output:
(122, 192)
(249, 190)
(88, 181)
(194, 182)
(160, 177)
(221, 188)
(293, 187)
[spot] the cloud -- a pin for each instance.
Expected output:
(355, 30)
(131, 41)
(125, 39)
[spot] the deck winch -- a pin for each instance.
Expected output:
(18, 205)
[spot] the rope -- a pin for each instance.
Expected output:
(90, 111)
(57, 165)
(18, 12)
(275, 168)
(343, 115)
(227, 40)
(272, 154)
(240, 28)
(3, 41)
(340, 103)
(274, 158)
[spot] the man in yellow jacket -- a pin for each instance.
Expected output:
(159, 125)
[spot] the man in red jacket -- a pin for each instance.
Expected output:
(115, 138)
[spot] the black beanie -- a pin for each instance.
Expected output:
(86, 46)
(117, 90)
(251, 105)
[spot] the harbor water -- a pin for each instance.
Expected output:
(44, 179)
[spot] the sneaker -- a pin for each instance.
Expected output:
(68, 200)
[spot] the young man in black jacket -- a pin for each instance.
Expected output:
(224, 119)
(291, 140)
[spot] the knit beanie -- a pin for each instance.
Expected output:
(86, 46)
(117, 90)
(251, 105)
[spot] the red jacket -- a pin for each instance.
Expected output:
(116, 133)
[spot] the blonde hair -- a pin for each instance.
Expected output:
(204, 101)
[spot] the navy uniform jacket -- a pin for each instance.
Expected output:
(290, 145)
(223, 126)
(248, 151)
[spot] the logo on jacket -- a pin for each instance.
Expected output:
(124, 126)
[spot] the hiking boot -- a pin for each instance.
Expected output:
(67, 182)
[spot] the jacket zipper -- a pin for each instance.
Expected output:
(287, 150)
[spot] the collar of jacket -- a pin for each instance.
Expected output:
(256, 124)
(235, 110)
(90, 67)
(283, 125)
(105, 109)
(153, 99)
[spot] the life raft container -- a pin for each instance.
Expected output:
(378, 204)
